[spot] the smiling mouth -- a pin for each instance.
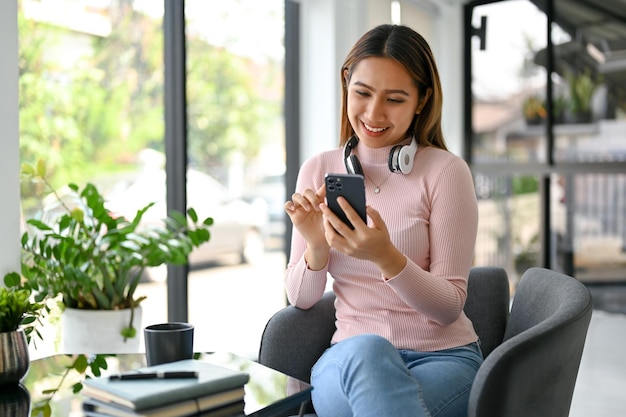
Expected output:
(373, 129)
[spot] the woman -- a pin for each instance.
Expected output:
(403, 346)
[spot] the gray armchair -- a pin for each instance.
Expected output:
(533, 371)
(532, 354)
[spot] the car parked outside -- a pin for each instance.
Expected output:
(271, 191)
(239, 228)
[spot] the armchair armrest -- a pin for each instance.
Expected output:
(294, 339)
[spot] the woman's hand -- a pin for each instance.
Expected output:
(304, 212)
(372, 242)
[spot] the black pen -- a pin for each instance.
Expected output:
(153, 375)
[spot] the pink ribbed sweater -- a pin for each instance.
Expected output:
(432, 217)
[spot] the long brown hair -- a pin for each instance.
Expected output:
(409, 49)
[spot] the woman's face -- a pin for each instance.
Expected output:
(382, 100)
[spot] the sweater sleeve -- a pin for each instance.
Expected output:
(303, 286)
(440, 292)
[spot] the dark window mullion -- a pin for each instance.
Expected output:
(291, 105)
(545, 225)
(176, 144)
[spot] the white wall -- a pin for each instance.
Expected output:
(447, 46)
(442, 27)
(328, 30)
(9, 141)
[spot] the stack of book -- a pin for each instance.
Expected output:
(184, 388)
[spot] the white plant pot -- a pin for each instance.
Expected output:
(99, 331)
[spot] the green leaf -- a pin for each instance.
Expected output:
(104, 301)
(192, 214)
(38, 224)
(78, 215)
(179, 217)
(41, 168)
(80, 363)
(140, 239)
(129, 332)
(130, 245)
(100, 361)
(49, 391)
(12, 279)
(175, 243)
(44, 410)
(28, 169)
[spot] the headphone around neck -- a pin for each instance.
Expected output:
(401, 157)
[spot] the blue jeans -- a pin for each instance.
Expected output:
(367, 376)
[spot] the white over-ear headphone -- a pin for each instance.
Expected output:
(400, 158)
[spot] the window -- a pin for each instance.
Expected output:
(546, 124)
(92, 104)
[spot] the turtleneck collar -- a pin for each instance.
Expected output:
(375, 156)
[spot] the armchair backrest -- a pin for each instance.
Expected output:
(534, 370)
(487, 305)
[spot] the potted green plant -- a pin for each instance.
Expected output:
(581, 89)
(92, 260)
(19, 314)
(534, 110)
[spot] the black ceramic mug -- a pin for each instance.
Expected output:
(168, 342)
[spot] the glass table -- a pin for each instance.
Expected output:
(268, 393)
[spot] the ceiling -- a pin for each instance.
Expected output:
(598, 32)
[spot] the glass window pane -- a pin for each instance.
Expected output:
(235, 85)
(588, 110)
(91, 91)
(590, 82)
(508, 87)
(508, 226)
(91, 103)
(589, 220)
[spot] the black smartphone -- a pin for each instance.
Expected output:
(349, 186)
